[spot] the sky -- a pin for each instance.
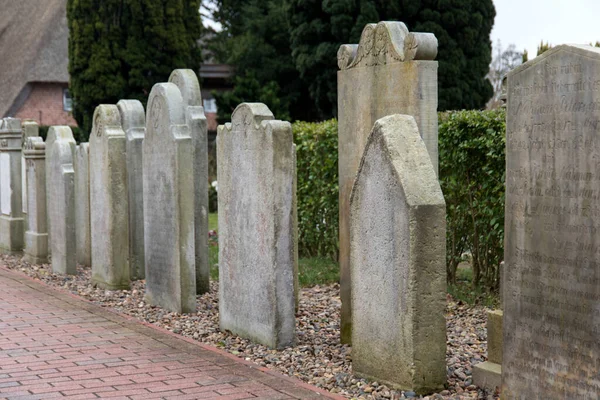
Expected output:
(527, 22)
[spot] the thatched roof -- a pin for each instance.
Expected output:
(33, 47)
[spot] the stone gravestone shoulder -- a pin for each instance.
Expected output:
(109, 211)
(60, 191)
(36, 236)
(187, 82)
(391, 71)
(169, 202)
(398, 243)
(11, 203)
(82, 205)
(29, 129)
(133, 120)
(551, 249)
(256, 226)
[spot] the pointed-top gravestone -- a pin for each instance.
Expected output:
(60, 192)
(36, 236)
(133, 120)
(551, 250)
(187, 82)
(169, 209)
(256, 226)
(82, 204)
(109, 212)
(390, 71)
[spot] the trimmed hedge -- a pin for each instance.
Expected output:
(77, 133)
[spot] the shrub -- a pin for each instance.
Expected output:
(77, 133)
(472, 165)
(317, 193)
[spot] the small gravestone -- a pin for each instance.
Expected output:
(256, 226)
(82, 204)
(133, 120)
(187, 82)
(29, 129)
(36, 236)
(397, 253)
(169, 210)
(552, 220)
(391, 71)
(60, 192)
(11, 203)
(109, 213)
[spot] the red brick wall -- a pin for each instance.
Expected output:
(45, 105)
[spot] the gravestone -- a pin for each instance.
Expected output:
(169, 212)
(109, 213)
(391, 71)
(133, 120)
(82, 205)
(187, 82)
(397, 250)
(36, 236)
(551, 251)
(255, 168)
(60, 192)
(28, 129)
(11, 203)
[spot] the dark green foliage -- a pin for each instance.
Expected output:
(78, 133)
(472, 164)
(118, 49)
(317, 193)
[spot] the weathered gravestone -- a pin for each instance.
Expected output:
(82, 204)
(11, 203)
(36, 236)
(109, 213)
(256, 226)
(188, 84)
(169, 202)
(133, 120)
(397, 250)
(552, 222)
(60, 192)
(29, 129)
(391, 71)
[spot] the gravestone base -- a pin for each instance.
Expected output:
(487, 375)
(36, 248)
(107, 286)
(12, 243)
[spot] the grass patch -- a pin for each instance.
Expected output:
(464, 291)
(213, 222)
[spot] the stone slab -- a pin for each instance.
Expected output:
(397, 254)
(391, 71)
(494, 336)
(487, 375)
(36, 235)
(29, 129)
(82, 205)
(256, 226)
(11, 202)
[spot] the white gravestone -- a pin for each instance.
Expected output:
(36, 236)
(82, 204)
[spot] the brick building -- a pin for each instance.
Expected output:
(34, 76)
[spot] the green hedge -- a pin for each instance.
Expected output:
(77, 133)
(317, 193)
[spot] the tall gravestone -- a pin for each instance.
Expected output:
(60, 192)
(109, 213)
(256, 226)
(391, 71)
(397, 253)
(29, 129)
(551, 251)
(133, 120)
(169, 206)
(82, 204)
(187, 82)
(11, 203)
(36, 236)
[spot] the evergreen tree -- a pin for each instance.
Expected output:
(118, 49)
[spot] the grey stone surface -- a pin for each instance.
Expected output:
(29, 129)
(169, 216)
(60, 192)
(551, 253)
(82, 205)
(11, 203)
(397, 253)
(187, 82)
(391, 71)
(133, 120)
(256, 226)
(109, 212)
(36, 235)
(488, 375)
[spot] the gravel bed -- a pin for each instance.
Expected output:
(318, 358)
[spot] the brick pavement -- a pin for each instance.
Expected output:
(53, 344)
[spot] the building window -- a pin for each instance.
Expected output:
(67, 101)
(210, 105)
